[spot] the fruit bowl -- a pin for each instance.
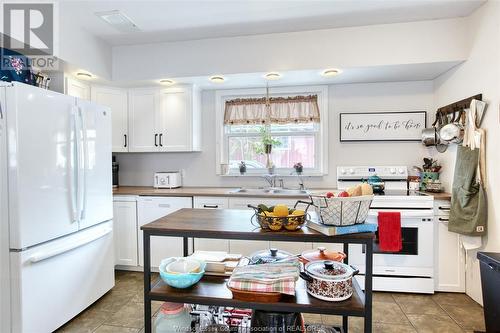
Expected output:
(275, 220)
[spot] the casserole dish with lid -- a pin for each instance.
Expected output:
(329, 280)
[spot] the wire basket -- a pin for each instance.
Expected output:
(340, 211)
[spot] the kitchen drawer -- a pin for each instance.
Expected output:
(442, 207)
(205, 244)
(211, 202)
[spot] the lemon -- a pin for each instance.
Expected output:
(298, 212)
(280, 210)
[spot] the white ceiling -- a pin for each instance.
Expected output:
(170, 20)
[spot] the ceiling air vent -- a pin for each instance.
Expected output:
(118, 20)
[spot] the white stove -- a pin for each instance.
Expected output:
(412, 268)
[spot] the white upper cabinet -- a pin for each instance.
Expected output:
(144, 106)
(76, 88)
(174, 120)
(164, 120)
(116, 100)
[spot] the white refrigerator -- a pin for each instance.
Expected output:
(56, 231)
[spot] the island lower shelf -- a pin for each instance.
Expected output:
(212, 290)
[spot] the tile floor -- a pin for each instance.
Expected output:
(121, 311)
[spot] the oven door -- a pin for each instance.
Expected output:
(416, 258)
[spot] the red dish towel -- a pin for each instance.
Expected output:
(389, 231)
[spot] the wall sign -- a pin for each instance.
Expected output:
(382, 126)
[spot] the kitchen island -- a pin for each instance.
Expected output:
(235, 224)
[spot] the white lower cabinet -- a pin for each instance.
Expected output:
(206, 244)
(125, 230)
(449, 256)
(153, 208)
(247, 247)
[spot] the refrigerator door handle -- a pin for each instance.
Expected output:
(85, 163)
(73, 167)
(39, 256)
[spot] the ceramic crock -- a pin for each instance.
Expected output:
(329, 280)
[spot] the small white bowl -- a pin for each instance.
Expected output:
(183, 266)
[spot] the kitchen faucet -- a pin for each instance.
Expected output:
(271, 180)
(302, 187)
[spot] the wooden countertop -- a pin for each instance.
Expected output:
(195, 191)
(440, 196)
(219, 192)
(235, 224)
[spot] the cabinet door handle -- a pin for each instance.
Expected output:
(443, 219)
(125, 138)
(156, 138)
(210, 206)
(443, 208)
(161, 144)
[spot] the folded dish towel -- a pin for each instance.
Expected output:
(274, 277)
(389, 231)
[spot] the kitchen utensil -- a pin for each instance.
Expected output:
(341, 211)
(377, 183)
(168, 179)
(429, 136)
(321, 253)
(183, 265)
(183, 280)
(282, 322)
(329, 280)
(115, 167)
(268, 256)
(452, 133)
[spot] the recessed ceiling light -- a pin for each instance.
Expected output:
(118, 20)
(217, 79)
(331, 72)
(273, 76)
(167, 82)
(83, 75)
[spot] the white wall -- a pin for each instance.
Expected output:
(80, 48)
(375, 45)
(479, 74)
(138, 169)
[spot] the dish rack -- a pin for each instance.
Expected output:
(341, 211)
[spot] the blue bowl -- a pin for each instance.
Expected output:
(181, 281)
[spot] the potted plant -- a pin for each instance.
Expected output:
(299, 168)
(265, 146)
(243, 168)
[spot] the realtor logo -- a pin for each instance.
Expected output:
(28, 28)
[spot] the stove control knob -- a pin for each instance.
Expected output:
(401, 170)
(351, 171)
(342, 171)
(393, 170)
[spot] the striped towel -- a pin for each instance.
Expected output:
(274, 277)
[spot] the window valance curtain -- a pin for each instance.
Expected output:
(275, 110)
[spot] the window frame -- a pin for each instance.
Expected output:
(321, 135)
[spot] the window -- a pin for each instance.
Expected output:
(299, 142)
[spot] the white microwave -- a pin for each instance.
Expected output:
(170, 179)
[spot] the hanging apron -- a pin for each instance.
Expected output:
(469, 210)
